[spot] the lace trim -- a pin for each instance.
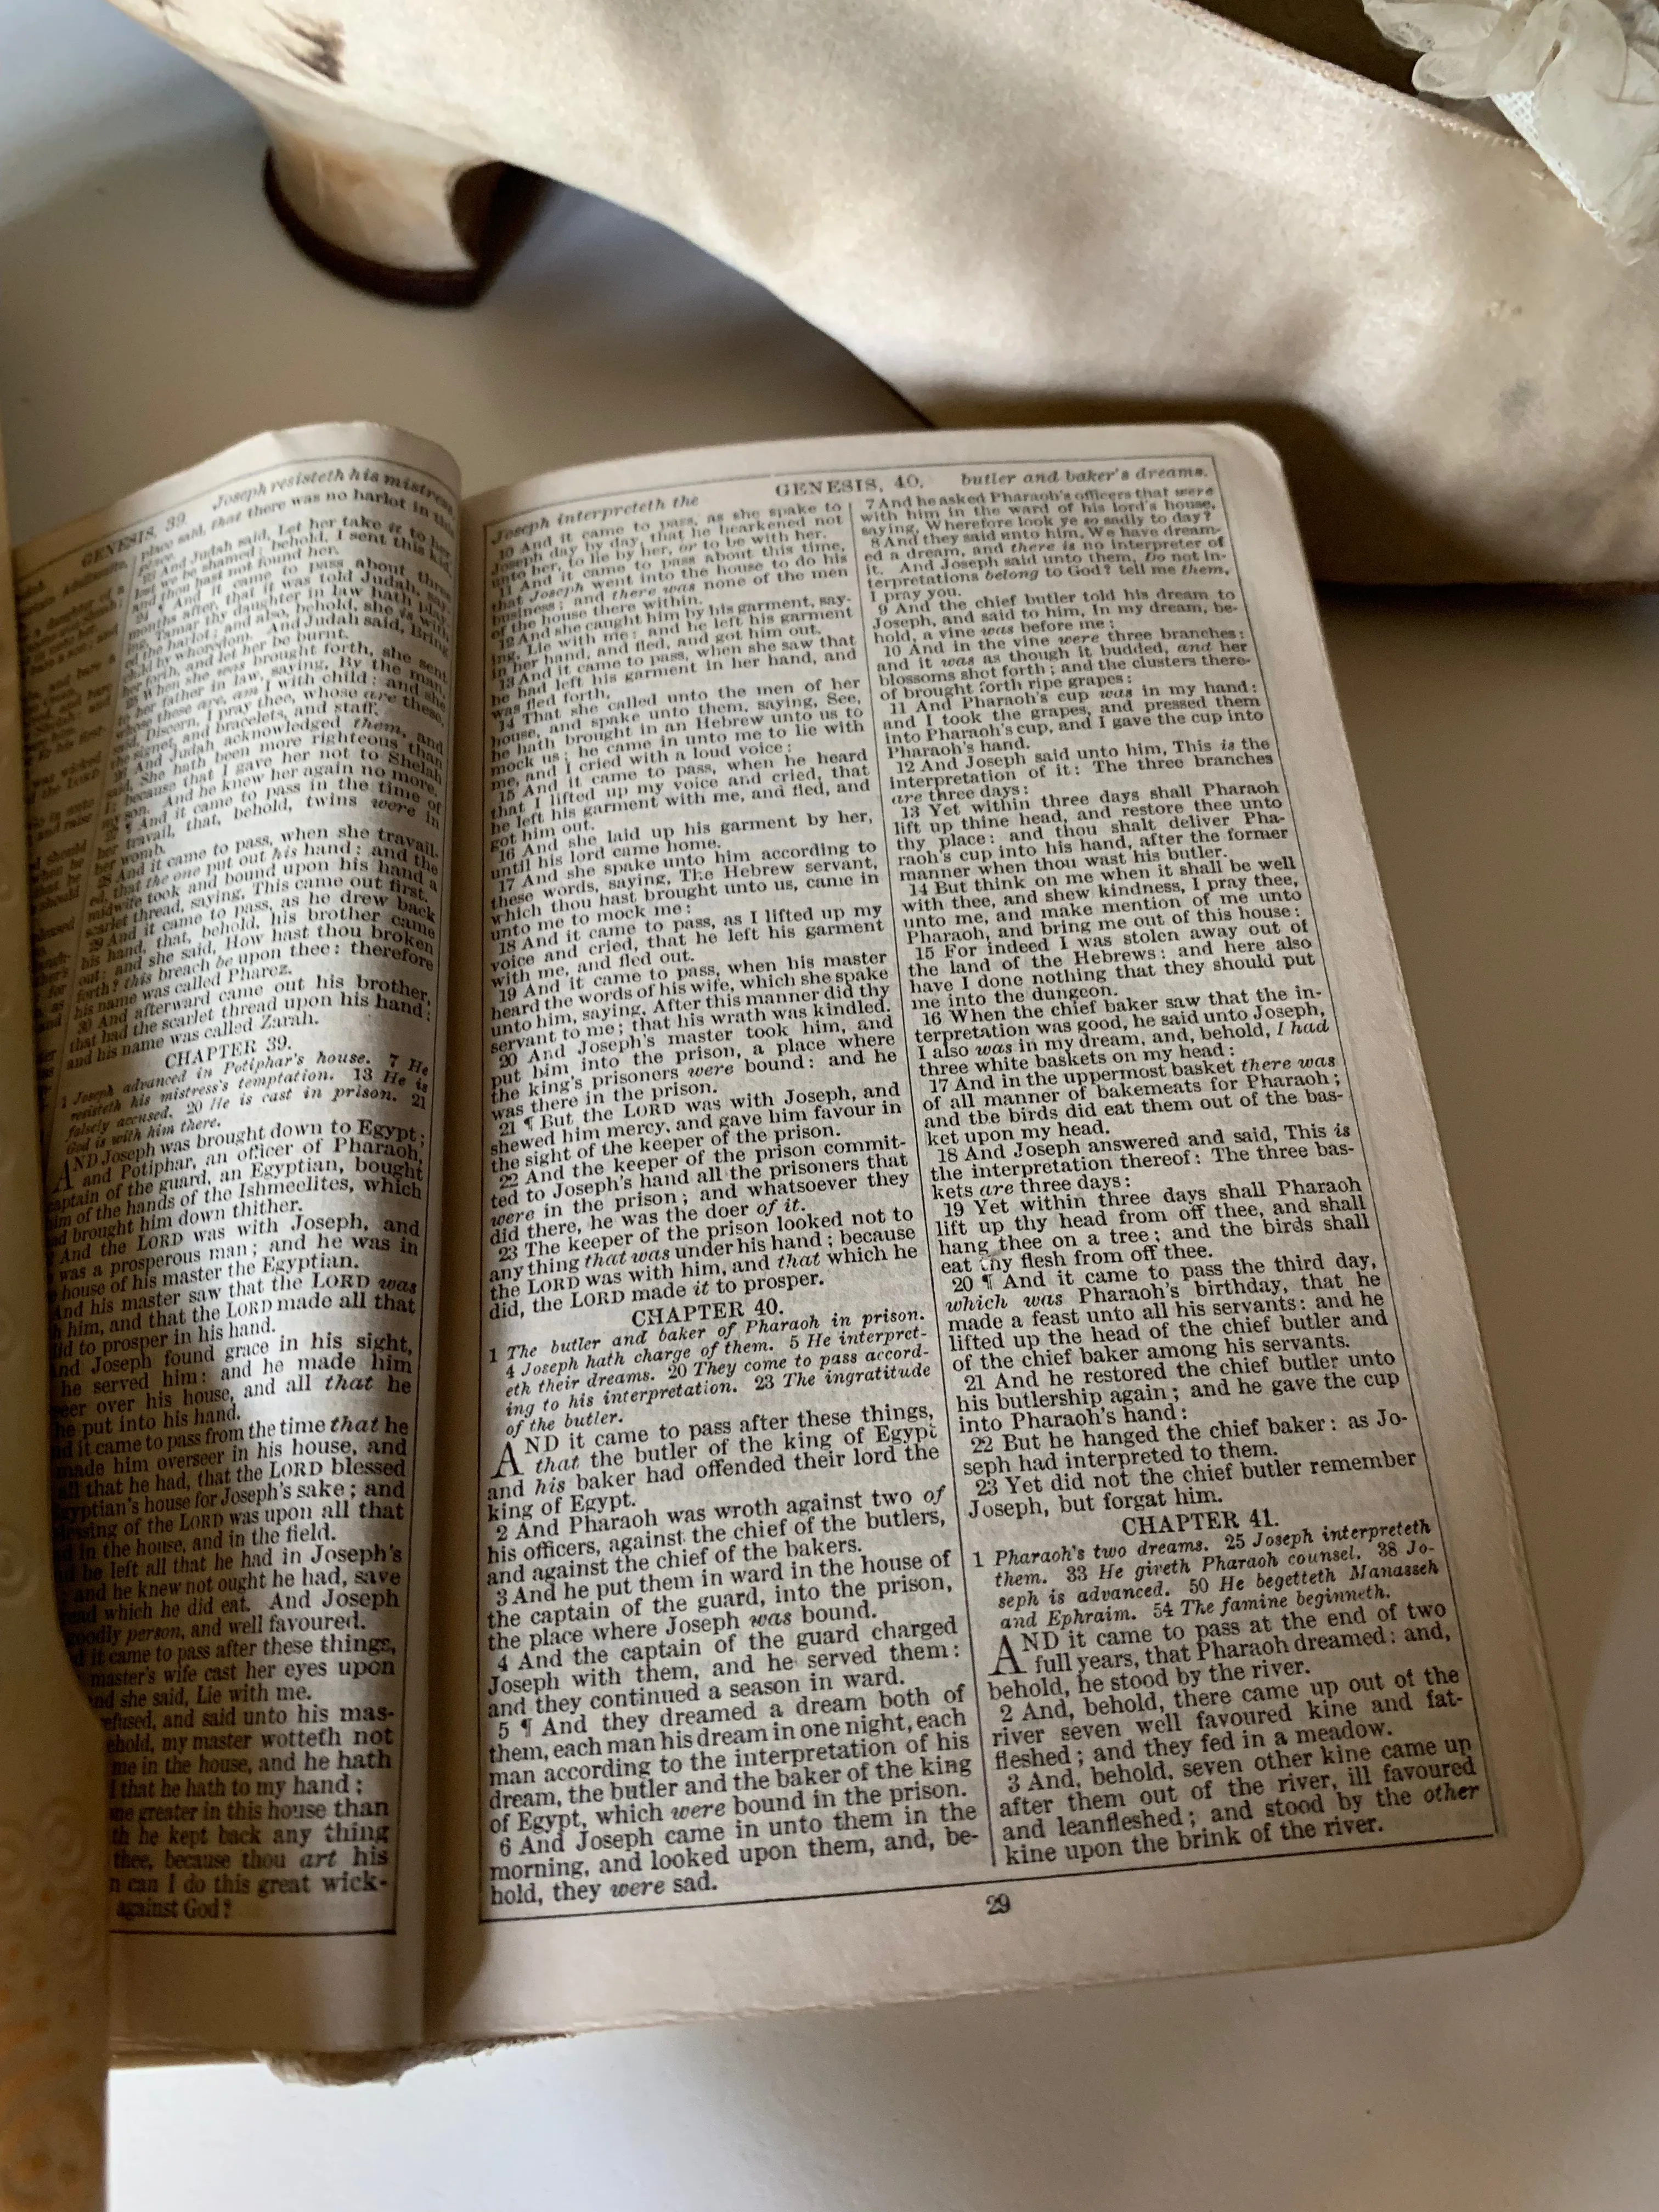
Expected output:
(1577, 79)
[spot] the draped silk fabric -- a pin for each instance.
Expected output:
(1083, 208)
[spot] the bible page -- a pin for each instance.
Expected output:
(237, 700)
(980, 1469)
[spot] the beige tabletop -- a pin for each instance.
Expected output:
(151, 312)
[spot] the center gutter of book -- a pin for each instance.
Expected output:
(944, 1419)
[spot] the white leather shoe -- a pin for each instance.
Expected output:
(1062, 209)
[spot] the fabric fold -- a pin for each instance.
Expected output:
(1577, 79)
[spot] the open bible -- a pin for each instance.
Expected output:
(752, 1298)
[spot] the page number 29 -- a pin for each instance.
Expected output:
(998, 1901)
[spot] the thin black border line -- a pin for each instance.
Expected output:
(1008, 1875)
(95, 536)
(479, 1498)
(878, 468)
(906, 1040)
(303, 1934)
(436, 1118)
(1208, 456)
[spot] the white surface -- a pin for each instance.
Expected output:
(151, 312)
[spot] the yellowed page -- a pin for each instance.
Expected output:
(237, 701)
(53, 2006)
(979, 1463)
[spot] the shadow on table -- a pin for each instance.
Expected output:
(605, 335)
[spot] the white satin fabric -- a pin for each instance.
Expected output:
(1068, 208)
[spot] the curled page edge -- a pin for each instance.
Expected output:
(54, 1991)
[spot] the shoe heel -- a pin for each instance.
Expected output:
(390, 210)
